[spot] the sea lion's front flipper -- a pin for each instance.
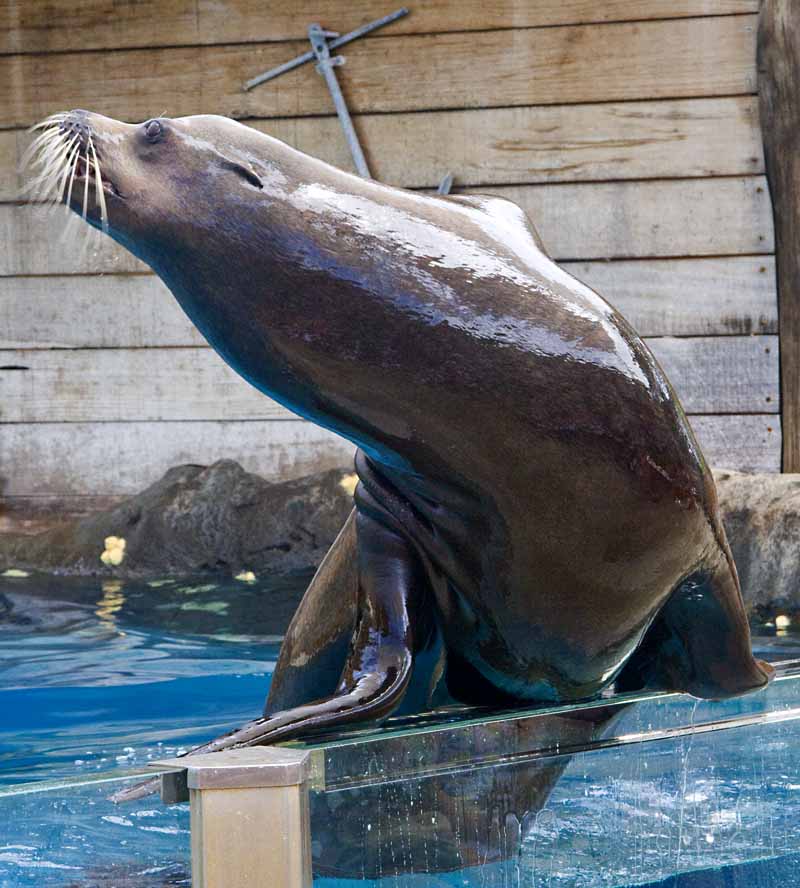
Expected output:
(390, 589)
(700, 641)
(379, 664)
(315, 646)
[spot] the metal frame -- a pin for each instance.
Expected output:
(326, 65)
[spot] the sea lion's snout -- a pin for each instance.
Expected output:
(77, 154)
(75, 126)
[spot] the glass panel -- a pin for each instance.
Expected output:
(71, 834)
(631, 791)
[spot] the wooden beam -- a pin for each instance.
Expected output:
(27, 26)
(538, 66)
(732, 295)
(779, 95)
(638, 219)
(720, 374)
(679, 138)
(60, 460)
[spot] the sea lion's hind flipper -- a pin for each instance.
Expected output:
(315, 647)
(699, 642)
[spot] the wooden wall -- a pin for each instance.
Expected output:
(627, 128)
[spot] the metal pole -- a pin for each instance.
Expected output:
(249, 816)
(325, 67)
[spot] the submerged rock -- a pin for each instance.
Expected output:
(196, 520)
(761, 514)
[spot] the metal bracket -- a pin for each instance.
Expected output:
(325, 66)
(321, 51)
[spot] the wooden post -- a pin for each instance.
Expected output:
(779, 105)
(249, 816)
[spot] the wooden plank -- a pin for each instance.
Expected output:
(495, 146)
(688, 217)
(82, 459)
(734, 295)
(126, 385)
(724, 374)
(743, 443)
(779, 96)
(659, 297)
(112, 459)
(92, 311)
(620, 220)
(38, 241)
(660, 59)
(106, 24)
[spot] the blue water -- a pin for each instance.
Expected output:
(88, 682)
(101, 676)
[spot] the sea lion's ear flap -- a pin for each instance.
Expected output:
(242, 170)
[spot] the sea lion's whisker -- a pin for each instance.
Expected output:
(70, 228)
(36, 145)
(99, 196)
(86, 192)
(68, 195)
(53, 119)
(51, 163)
(71, 163)
(45, 144)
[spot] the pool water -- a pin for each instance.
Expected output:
(97, 677)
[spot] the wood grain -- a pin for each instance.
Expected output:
(27, 26)
(619, 220)
(744, 443)
(659, 297)
(87, 459)
(92, 311)
(560, 65)
(58, 460)
(779, 96)
(639, 219)
(687, 297)
(495, 146)
(722, 374)
(730, 374)
(126, 385)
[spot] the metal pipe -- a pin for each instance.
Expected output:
(334, 44)
(325, 67)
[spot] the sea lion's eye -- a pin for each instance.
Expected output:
(153, 130)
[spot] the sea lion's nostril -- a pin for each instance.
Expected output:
(76, 125)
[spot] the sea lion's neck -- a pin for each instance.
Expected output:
(296, 316)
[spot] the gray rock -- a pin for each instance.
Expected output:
(761, 514)
(198, 520)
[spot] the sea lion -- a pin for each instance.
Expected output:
(534, 519)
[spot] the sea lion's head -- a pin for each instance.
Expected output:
(154, 183)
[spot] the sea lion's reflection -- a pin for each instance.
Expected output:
(421, 816)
